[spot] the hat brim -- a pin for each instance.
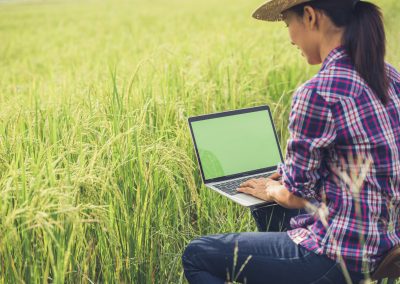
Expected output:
(272, 10)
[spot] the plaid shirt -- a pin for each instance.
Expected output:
(334, 116)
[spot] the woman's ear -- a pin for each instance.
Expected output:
(310, 18)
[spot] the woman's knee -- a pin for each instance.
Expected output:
(190, 251)
(196, 247)
(205, 248)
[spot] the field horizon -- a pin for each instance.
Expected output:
(98, 176)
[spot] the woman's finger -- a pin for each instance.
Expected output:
(248, 183)
(275, 176)
(248, 190)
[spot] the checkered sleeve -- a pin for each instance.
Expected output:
(312, 130)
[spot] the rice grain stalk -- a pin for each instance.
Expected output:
(354, 182)
(235, 257)
(322, 213)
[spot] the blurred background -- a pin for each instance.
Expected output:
(98, 177)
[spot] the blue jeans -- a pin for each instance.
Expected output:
(259, 257)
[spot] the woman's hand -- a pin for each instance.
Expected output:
(261, 188)
(276, 176)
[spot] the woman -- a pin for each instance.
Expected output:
(351, 108)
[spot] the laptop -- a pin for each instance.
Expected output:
(235, 146)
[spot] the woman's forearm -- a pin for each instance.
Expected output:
(282, 196)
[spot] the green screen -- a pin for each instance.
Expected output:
(236, 144)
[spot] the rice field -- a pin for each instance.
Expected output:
(98, 177)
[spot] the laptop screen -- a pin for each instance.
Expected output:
(235, 144)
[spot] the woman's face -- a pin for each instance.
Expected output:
(304, 35)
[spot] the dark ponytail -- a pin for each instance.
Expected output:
(366, 43)
(364, 38)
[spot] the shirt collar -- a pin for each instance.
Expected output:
(334, 54)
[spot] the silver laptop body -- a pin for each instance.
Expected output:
(234, 146)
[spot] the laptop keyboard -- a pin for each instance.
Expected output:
(231, 186)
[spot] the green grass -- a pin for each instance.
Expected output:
(98, 177)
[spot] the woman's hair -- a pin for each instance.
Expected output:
(364, 38)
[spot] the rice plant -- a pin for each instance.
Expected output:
(98, 177)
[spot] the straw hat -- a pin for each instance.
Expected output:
(272, 9)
